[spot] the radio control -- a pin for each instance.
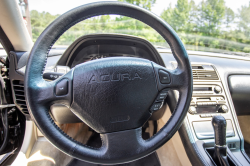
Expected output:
(192, 110)
(206, 103)
(222, 102)
(208, 100)
(199, 103)
(212, 103)
(217, 89)
(223, 109)
(208, 115)
(205, 115)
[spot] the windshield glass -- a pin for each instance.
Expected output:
(2, 51)
(203, 25)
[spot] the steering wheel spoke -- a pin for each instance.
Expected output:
(170, 79)
(57, 91)
(123, 143)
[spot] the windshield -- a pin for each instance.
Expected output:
(2, 51)
(203, 25)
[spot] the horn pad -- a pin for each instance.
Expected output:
(114, 94)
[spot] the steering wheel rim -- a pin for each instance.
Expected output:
(40, 94)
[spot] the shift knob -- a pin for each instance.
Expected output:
(219, 124)
(220, 149)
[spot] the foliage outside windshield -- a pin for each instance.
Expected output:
(206, 26)
(2, 51)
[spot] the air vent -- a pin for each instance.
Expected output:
(18, 87)
(204, 72)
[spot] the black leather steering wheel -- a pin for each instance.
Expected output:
(114, 96)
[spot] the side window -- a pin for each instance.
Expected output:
(2, 51)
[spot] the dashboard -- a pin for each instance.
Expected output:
(213, 82)
(99, 46)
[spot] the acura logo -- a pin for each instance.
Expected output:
(113, 77)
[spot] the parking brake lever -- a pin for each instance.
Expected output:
(220, 149)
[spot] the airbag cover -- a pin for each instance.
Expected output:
(114, 94)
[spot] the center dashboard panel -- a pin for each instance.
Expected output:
(224, 66)
(209, 99)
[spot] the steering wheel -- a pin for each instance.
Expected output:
(113, 96)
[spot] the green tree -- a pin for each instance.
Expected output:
(40, 21)
(198, 25)
(229, 16)
(179, 16)
(127, 24)
(192, 26)
(167, 15)
(147, 4)
(244, 20)
(212, 13)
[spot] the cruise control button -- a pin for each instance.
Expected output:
(62, 87)
(164, 77)
(52, 75)
(156, 106)
(162, 95)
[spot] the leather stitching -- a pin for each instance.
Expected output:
(66, 135)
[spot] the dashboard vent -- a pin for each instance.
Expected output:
(204, 72)
(18, 87)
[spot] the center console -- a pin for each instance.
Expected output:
(210, 99)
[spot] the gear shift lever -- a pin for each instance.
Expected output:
(220, 149)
